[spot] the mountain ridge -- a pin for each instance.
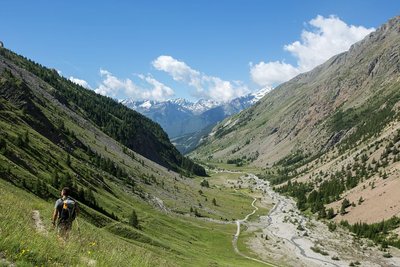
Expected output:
(297, 113)
(132, 129)
(49, 139)
(181, 118)
(329, 137)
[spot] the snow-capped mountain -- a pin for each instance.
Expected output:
(181, 118)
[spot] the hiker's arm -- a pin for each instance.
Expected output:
(55, 213)
(77, 210)
(54, 217)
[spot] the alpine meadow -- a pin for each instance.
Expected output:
(297, 164)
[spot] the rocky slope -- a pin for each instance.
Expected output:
(330, 138)
(318, 109)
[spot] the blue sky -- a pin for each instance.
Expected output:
(193, 49)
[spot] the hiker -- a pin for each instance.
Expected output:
(65, 211)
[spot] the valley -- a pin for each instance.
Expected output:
(306, 174)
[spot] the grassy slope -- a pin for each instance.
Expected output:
(28, 169)
(163, 239)
(176, 240)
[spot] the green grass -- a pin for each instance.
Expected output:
(171, 241)
(35, 149)
(233, 167)
(23, 245)
(244, 237)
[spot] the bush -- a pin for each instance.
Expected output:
(332, 226)
(205, 183)
(320, 251)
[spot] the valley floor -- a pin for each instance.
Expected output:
(288, 238)
(270, 231)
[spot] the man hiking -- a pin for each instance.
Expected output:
(65, 211)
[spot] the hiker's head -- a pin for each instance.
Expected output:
(65, 192)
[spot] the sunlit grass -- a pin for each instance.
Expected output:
(172, 241)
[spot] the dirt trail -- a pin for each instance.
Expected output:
(39, 226)
(5, 262)
(236, 236)
(88, 261)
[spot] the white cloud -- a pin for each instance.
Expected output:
(112, 85)
(177, 69)
(80, 82)
(159, 90)
(206, 86)
(272, 72)
(328, 37)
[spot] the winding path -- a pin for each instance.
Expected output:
(281, 204)
(236, 236)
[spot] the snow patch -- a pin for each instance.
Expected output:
(146, 105)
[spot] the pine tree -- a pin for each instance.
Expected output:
(26, 137)
(214, 201)
(133, 219)
(330, 214)
(345, 204)
(68, 160)
(56, 181)
(205, 183)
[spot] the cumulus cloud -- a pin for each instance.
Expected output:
(112, 86)
(159, 90)
(273, 72)
(327, 37)
(205, 86)
(80, 82)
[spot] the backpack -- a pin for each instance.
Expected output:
(68, 210)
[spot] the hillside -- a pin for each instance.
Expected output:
(54, 133)
(316, 110)
(329, 137)
(126, 126)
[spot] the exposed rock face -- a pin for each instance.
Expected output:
(1, 44)
(299, 113)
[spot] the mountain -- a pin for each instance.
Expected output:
(119, 164)
(318, 109)
(130, 128)
(327, 137)
(142, 204)
(187, 122)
